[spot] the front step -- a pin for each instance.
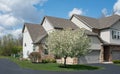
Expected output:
(107, 62)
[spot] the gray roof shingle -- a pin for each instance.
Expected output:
(60, 22)
(35, 30)
(101, 23)
(91, 22)
(108, 21)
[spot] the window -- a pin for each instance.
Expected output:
(33, 47)
(25, 45)
(119, 35)
(45, 51)
(115, 34)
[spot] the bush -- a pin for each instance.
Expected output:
(45, 61)
(48, 59)
(116, 61)
(35, 57)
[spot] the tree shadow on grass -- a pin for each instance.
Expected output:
(79, 67)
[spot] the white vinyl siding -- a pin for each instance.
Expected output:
(116, 39)
(80, 24)
(47, 26)
(116, 28)
(105, 35)
(27, 43)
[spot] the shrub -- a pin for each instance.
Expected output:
(116, 61)
(48, 59)
(45, 61)
(35, 57)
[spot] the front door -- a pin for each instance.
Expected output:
(106, 54)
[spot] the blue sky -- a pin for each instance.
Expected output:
(13, 13)
(90, 8)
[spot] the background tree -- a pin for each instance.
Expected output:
(10, 45)
(68, 43)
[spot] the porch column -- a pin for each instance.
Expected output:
(101, 54)
(110, 54)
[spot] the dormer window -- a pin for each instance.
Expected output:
(115, 34)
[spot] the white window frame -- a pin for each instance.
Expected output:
(115, 34)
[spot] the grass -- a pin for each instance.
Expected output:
(51, 66)
(116, 61)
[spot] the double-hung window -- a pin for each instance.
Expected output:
(115, 34)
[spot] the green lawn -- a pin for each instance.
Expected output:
(51, 66)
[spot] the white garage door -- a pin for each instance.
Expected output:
(115, 55)
(92, 57)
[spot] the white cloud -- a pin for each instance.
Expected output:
(75, 11)
(16, 32)
(104, 11)
(1, 29)
(116, 7)
(4, 8)
(13, 13)
(7, 20)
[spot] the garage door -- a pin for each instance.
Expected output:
(92, 57)
(115, 55)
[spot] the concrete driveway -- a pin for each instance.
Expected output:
(8, 67)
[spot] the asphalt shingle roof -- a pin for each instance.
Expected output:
(35, 30)
(100, 23)
(60, 22)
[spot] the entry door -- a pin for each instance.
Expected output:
(106, 54)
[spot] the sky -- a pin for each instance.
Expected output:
(14, 13)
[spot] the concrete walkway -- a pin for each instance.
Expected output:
(8, 67)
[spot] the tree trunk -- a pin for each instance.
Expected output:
(65, 61)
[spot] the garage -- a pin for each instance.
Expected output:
(92, 57)
(116, 55)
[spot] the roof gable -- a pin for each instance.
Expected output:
(101, 23)
(91, 22)
(35, 30)
(60, 22)
(108, 21)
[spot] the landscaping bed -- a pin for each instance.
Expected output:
(51, 66)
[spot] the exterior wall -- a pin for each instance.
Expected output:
(47, 26)
(114, 41)
(80, 24)
(95, 43)
(116, 26)
(105, 35)
(27, 44)
(36, 48)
